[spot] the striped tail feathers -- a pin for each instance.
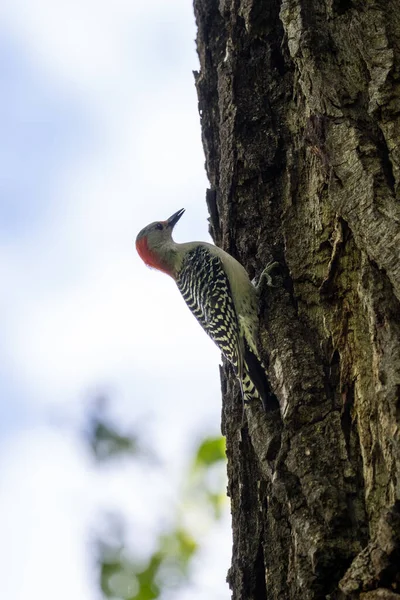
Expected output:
(255, 382)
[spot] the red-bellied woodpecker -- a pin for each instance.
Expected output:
(218, 291)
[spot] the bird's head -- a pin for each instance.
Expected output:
(154, 243)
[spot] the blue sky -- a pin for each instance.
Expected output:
(100, 135)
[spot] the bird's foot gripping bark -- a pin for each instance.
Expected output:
(265, 277)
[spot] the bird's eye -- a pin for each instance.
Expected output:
(159, 226)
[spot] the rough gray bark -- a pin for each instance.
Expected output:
(300, 112)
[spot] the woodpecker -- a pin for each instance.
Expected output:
(219, 293)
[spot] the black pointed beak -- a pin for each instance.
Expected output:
(172, 221)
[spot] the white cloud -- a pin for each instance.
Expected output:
(107, 325)
(41, 530)
(93, 45)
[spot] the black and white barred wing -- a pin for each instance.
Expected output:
(205, 288)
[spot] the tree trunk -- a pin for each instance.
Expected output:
(300, 113)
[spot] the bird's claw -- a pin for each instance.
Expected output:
(266, 275)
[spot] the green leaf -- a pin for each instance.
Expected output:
(148, 588)
(210, 451)
(187, 545)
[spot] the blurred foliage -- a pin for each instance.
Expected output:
(104, 437)
(203, 479)
(107, 443)
(123, 576)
